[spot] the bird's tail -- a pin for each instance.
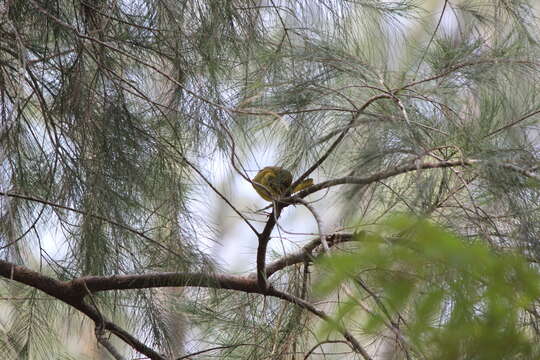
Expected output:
(304, 184)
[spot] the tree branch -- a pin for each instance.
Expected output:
(398, 170)
(306, 253)
(338, 140)
(264, 238)
(73, 293)
(318, 220)
(86, 213)
(305, 305)
(100, 336)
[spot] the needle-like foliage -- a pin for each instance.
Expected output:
(130, 130)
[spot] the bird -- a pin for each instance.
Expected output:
(272, 182)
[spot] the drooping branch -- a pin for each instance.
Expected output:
(102, 339)
(72, 293)
(305, 305)
(125, 336)
(318, 220)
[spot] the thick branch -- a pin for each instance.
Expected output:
(73, 293)
(168, 279)
(55, 288)
(306, 253)
(264, 238)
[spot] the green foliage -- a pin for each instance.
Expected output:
(114, 114)
(459, 299)
(31, 328)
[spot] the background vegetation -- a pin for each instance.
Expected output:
(130, 130)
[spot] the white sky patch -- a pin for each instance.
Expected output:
(234, 247)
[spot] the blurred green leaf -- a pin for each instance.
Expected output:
(460, 299)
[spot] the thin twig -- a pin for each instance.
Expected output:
(322, 343)
(431, 39)
(317, 217)
(339, 139)
(89, 214)
(523, 118)
(304, 304)
(212, 349)
(100, 336)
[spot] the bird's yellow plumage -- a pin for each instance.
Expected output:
(272, 182)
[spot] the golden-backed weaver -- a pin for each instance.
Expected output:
(272, 182)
